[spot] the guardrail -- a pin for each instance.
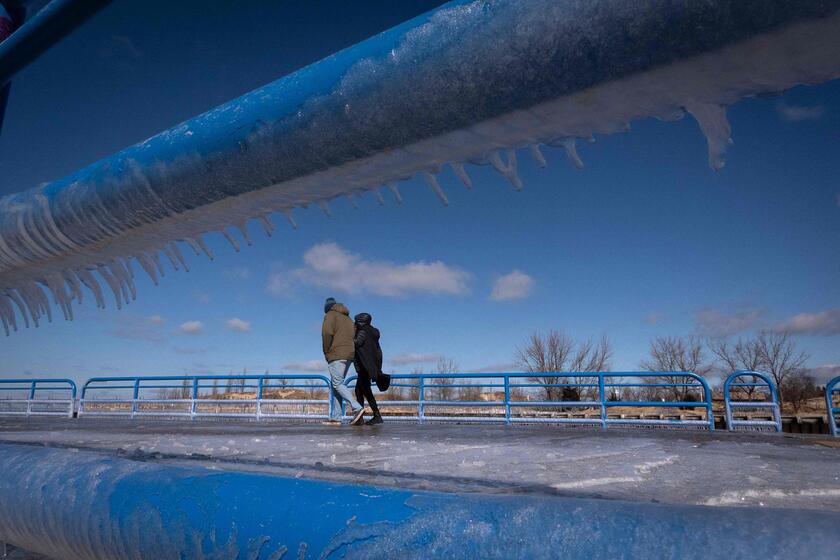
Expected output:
(600, 391)
(556, 398)
(197, 396)
(760, 385)
(35, 397)
(831, 389)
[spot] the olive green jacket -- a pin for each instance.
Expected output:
(337, 334)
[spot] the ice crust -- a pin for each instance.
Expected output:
(471, 83)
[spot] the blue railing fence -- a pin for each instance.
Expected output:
(289, 396)
(832, 404)
(596, 398)
(37, 397)
(751, 390)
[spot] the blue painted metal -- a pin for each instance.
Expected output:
(48, 26)
(737, 379)
(601, 383)
(83, 505)
(832, 388)
(365, 116)
(34, 406)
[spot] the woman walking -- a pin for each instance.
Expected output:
(368, 363)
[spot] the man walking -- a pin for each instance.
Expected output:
(339, 350)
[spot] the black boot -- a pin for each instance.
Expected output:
(377, 419)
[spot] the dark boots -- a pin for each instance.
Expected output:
(377, 419)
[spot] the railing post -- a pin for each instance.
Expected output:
(134, 397)
(259, 397)
(29, 400)
(829, 405)
(603, 398)
(421, 395)
(194, 393)
(507, 399)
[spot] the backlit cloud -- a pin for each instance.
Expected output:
(515, 285)
(716, 323)
(825, 323)
(799, 113)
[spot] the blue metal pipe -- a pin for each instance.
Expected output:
(470, 82)
(47, 27)
(86, 506)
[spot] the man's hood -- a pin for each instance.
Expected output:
(340, 308)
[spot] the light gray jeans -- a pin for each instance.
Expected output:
(340, 391)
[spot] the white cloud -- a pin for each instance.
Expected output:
(156, 320)
(713, 322)
(508, 367)
(515, 285)
(799, 113)
(279, 284)
(826, 323)
(309, 366)
(192, 327)
(413, 358)
(237, 273)
(238, 325)
(824, 373)
(328, 265)
(654, 318)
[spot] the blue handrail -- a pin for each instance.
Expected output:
(33, 406)
(833, 411)
(738, 379)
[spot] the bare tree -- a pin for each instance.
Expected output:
(744, 355)
(443, 385)
(215, 390)
(799, 389)
(782, 361)
(185, 389)
(676, 354)
(556, 352)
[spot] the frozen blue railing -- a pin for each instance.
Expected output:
(196, 396)
(756, 391)
(557, 398)
(37, 397)
(832, 389)
(511, 397)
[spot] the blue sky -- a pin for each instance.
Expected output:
(645, 241)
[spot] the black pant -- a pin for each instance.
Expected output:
(364, 391)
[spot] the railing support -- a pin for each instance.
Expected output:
(421, 396)
(603, 401)
(733, 381)
(507, 400)
(832, 411)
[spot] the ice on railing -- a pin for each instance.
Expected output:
(473, 83)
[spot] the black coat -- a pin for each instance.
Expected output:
(368, 352)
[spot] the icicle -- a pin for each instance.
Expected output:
(75, 286)
(538, 156)
(325, 208)
(396, 190)
(55, 285)
(156, 260)
(93, 285)
(266, 224)
(715, 126)
(231, 240)
(459, 170)
(193, 245)
(432, 181)
(508, 171)
(171, 256)
(243, 229)
(43, 302)
(571, 152)
(203, 245)
(15, 297)
(290, 217)
(31, 305)
(377, 194)
(352, 200)
(118, 271)
(147, 265)
(7, 314)
(112, 283)
(179, 255)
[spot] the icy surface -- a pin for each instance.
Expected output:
(679, 468)
(471, 83)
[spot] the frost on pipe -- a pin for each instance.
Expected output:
(470, 83)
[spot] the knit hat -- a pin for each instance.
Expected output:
(328, 304)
